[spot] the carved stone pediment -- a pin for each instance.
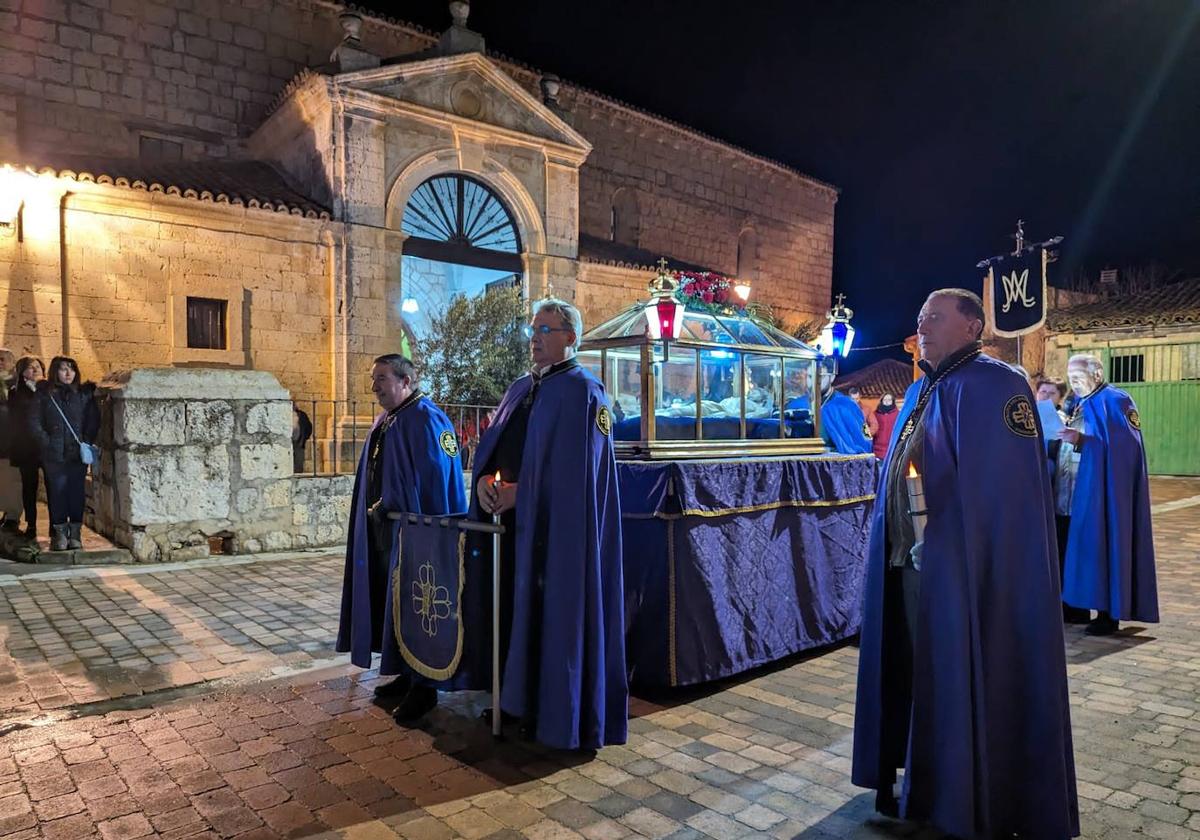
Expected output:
(465, 89)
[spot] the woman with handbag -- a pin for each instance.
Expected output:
(23, 402)
(65, 425)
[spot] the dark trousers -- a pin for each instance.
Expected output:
(65, 491)
(29, 485)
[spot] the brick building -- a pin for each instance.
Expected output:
(289, 185)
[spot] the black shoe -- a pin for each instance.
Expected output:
(30, 532)
(528, 730)
(1103, 625)
(396, 688)
(420, 700)
(886, 804)
(1076, 615)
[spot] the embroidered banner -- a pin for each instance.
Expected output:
(427, 584)
(1017, 292)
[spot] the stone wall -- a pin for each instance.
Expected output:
(115, 296)
(95, 77)
(201, 457)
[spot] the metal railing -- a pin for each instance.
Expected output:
(336, 431)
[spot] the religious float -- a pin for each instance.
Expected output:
(744, 539)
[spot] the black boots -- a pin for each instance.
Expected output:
(1102, 625)
(59, 534)
(74, 540)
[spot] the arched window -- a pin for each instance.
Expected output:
(747, 255)
(625, 222)
(456, 219)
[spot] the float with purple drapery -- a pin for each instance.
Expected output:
(744, 539)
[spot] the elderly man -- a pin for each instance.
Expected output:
(410, 463)
(962, 672)
(546, 466)
(1102, 500)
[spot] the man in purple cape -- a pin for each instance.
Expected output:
(551, 443)
(962, 675)
(1103, 490)
(409, 463)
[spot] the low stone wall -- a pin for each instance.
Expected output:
(198, 460)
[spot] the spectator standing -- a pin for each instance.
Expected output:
(66, 416)
(881, 421)
(23, 447)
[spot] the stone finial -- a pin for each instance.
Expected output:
(458, 39)
(550, 86)
(351, 26)
(349, 55)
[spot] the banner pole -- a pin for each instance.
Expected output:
(496, 713)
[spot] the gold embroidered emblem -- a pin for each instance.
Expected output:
(430, 601)
(866, 430)
(449, 443)
(1134, 418)
(604, 420)
(1020, 418)
(909, 425)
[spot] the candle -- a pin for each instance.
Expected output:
(496, 482)
(916, 502)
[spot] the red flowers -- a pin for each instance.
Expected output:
(704, 287)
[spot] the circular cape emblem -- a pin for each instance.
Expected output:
(1020, 418)
(866, 430)
(449, 443)
(1134, 419)
(604, 420)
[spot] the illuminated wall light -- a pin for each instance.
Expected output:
(410, 306)
(742, 290)
(14, 185)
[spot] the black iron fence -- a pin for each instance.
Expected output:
(328, 435)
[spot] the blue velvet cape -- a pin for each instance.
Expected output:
(1110, 548)
(419, 476)
(989, 750)
(569, 539)
(843, 426)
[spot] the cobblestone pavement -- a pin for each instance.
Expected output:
(311, 755)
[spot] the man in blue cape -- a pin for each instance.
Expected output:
(551, 444)
(409, 463)
(1104, 496)
(962, 677)
(842, 423)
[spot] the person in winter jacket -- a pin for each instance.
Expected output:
(10, 478)
(24, 451)
(881, 421)
(66, 410)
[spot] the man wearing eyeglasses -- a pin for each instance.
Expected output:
(551, 446)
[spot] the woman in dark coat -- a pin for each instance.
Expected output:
(61, 461)
(24, 451)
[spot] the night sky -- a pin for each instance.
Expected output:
(941, 122)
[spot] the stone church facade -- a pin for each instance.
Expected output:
(205, 184)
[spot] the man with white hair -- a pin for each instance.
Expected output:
(1102, 501)
(546, 466)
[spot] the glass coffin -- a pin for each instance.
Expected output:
(728, 386)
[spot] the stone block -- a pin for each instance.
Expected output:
(277, 495)
(209, 422)
(301, 514)
(175, 484)
(147, 423)
(265, 460)
(247, 500)
(273, 418)
(277, 541)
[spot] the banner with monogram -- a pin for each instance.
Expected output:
(427, 585)
(1017, 291)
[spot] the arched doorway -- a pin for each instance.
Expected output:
(462, 240)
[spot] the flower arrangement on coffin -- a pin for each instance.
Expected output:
(708, 292)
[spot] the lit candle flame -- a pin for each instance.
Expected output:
(912, 472)
(496, 480)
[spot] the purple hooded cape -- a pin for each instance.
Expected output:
(419, 476)
(989, 749)
(568, 539)
(1110, 548)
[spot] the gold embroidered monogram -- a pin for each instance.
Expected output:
(430, 601)
(604, 420)
(1019, 417)
(1134, 418)
(449, 443)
